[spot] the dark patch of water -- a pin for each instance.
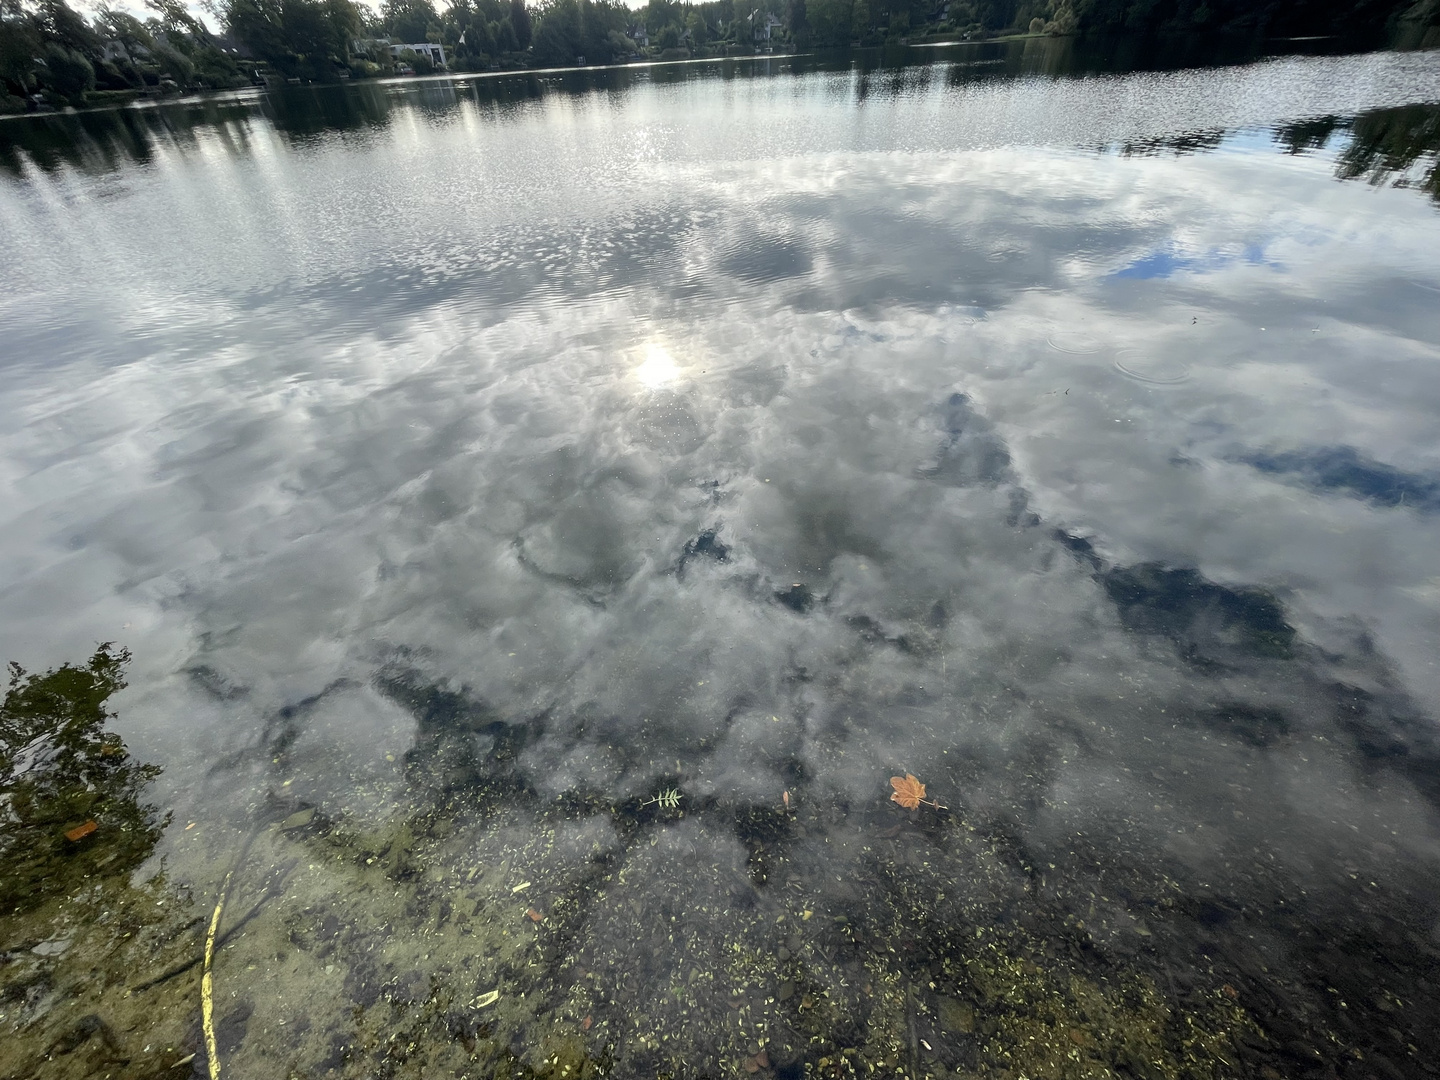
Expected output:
(1344, 470)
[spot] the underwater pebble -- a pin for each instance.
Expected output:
(299, 819)
(54, 947)
(957, 1015)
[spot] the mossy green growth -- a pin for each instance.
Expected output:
(1047, 1023)
(59, 770)
(567, 1059)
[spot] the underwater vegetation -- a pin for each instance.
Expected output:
(76, 936)
(485, 929)
(71, 803)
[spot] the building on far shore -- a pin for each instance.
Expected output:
(428, 49)
(766, 26)
(432, 51)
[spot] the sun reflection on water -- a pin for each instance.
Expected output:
(658, 369)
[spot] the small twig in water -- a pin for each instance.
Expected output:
(668, 800)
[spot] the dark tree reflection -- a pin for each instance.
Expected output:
(61, 771)
(1307, 135)
(1400, 146)
(1389, 142)
(105, 140)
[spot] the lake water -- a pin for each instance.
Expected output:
(546, 511)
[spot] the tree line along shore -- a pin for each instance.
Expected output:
(52, 56)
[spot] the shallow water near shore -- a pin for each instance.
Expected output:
(544, 513)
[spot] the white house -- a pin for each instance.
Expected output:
(765, 26)
(429, 49)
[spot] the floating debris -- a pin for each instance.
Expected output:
(910, 793)
(487, 998)
(666, 800)
(81, 831)
(534, 916)
(521, 887)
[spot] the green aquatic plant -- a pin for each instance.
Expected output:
(70, 793)
(666, 800)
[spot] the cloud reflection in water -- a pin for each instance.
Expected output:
(386, 489)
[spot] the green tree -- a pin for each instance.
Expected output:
(419, 64)
(132, 36)
(621, 47)
(260, 26)
(660, 14)
(520, 24)
(409, 20)
(468, 36)
(797, 21)
(300, 38)
(565, 30)
(20, 42)
(557, 34)
(173, 63)
(506, 40)
(201, 61)
(66, 73)
(176, 19)
(66, 27)
(830, 21)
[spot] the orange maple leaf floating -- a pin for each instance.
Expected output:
(910, 792)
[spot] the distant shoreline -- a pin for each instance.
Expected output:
(246, 92)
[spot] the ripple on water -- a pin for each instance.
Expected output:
(1075, 342)
(1155, 370)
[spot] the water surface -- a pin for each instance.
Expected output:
(585, 491)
